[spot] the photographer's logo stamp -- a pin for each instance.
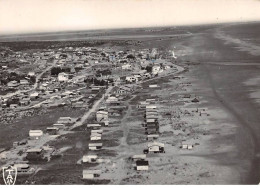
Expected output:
(9, 175)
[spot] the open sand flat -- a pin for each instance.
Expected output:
(225, 66)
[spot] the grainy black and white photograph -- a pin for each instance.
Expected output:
(130, 92)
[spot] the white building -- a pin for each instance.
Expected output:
(24, 82)
(130, 79)
(64, 120)
(35, 134)
(91, 174)
(95, 146)
(126, 67)
(101, 116)
(63, 77)
(156, 69)
(142, 165)
(31, 74)
(89, 158)
(95, 136)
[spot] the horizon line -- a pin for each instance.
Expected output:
(122, 28)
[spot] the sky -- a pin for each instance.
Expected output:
(29, 16)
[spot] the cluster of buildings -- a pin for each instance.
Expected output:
(72, 77)
(151, 129)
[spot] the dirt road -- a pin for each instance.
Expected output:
(93, 109)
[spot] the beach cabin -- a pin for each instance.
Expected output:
(155, 147)
(187, 146)
(63, 77)
(13, 84)
(153, 86)
(35, 134)
(101, 116)
(89, 158)
(142, 165)
(52, 130)
(93, 125)
(152, 120)
(25, 101)
(95, 146)
(147, 113)
(100, 131)
(59, 125)
(151, 116)
(138, 157)
(22, 168)
(24, 82)
(13, 106)
(35, 154)
(64, 120)
(95, 136)
(34, 96)
(195, 100)
(122, 90)
(91, 174)
(152, 130)
(150, 100)
(151, 109)
(151, 137)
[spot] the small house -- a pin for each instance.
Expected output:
(195, 100)
(152, 130)
(59, 125)
(13, 106)
(151, 107)
(12, 84)
(89, 158)
(156, 147)
(151, 137)
(151, 116)
(138, 157)
(126, 67)
(122, 90)
(100, 131)
(91, 174)
(34, 95)
(35, 154)
(153, 86)
(142, 165)
(35, 134)
(151, 113)
(25, 101)
(63, 77)
(102, 116)
(95, 146)
(52, 130)
(24, 82)
(130, 79)
(187, 146)
(64, 120)
(93, 125)
(22, 168)
(151, 120)
(95, 136)
(31, 73)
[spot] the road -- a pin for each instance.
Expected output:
(93, 109)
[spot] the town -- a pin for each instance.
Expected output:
(103, 115)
